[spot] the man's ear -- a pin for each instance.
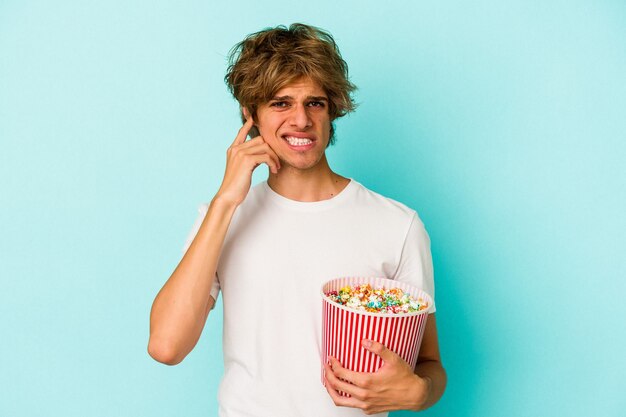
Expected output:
(245, 113)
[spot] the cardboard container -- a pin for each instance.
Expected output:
(343, 328)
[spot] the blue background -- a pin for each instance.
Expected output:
(502, 123)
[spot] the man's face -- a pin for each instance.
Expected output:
(295, 124)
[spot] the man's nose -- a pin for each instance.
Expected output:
(300, 117)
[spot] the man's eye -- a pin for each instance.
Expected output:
(316, 104)
(279, 104)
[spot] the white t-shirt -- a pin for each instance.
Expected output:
(276, 256)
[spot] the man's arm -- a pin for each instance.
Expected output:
(181, 308)
(395, 386)
(429, 365)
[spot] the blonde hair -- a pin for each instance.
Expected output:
(266, 61)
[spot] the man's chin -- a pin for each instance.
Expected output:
(298, 165)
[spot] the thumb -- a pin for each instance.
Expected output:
(379, 349)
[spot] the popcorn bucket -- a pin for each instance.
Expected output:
(343, 328)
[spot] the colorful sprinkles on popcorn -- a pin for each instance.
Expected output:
(364, 297)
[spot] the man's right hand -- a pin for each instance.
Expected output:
(242, 158)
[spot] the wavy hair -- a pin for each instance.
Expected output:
(266, 61)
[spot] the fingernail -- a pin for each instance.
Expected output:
(366, 343)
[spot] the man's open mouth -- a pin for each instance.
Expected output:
(294, 141)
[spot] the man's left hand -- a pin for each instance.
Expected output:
(394, 386)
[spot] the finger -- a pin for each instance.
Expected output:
(257, 148)
(380, 350)
(262, 139)
(353, 390)
(263, 149)
(358, 379)
(264, 159)
(273, 154)
(338, 399)
(243, 131)
(250, 143)
(253, 143)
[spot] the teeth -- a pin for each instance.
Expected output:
(293, 141)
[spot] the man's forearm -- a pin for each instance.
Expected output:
(434, 373)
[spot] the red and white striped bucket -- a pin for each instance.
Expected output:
(344, 328)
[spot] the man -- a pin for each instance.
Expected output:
(269, 248)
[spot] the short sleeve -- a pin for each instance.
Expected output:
(416, 263)
(202, 211)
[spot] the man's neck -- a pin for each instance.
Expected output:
(317, 184)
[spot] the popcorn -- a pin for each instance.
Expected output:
(380, 300)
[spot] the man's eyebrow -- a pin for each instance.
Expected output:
(317, 98)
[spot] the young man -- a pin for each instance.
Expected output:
(269, 248)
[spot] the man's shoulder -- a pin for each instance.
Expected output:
(373, 200)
